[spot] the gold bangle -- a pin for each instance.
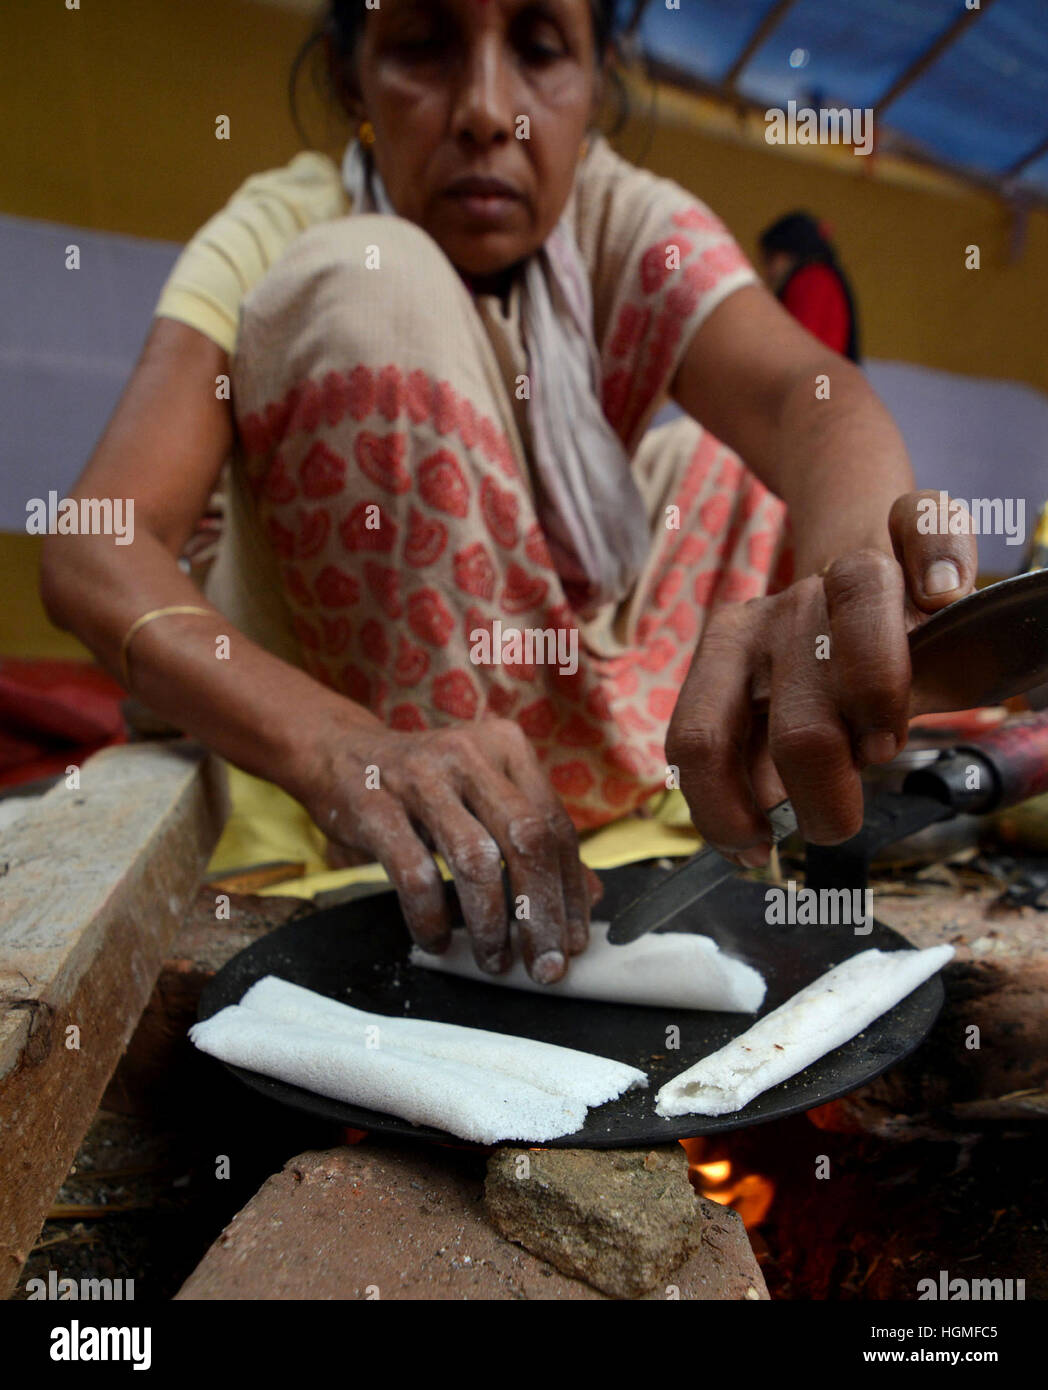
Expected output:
(148, 618)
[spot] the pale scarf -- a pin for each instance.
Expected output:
(592, 512)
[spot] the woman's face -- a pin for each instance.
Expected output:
(500, 89)
(778, 265)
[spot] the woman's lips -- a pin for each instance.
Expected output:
(484, 200)
(485, 208)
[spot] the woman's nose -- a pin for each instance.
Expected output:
(483, 103)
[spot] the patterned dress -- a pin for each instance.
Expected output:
(383, 507)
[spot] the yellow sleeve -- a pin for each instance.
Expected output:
(233, 250)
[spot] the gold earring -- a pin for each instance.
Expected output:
(366, 133)
(584, 147)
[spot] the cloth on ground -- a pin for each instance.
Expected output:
(822, 1016)
(673, 970)
(482, 1086)
(265, 826)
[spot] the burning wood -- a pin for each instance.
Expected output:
(722, 1180)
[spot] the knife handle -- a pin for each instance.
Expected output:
(1014, 757)
(783, 820)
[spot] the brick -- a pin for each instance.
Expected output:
(408, 1223)
(625, 1220)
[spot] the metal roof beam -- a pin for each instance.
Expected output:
(770, 22)
(999, 185)
(1027, 159)
(930, 55)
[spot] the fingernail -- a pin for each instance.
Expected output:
(496, 964)
(755, 858)
(941, 577)
(879, 748)
(548, 968)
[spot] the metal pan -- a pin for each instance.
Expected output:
(358, 953)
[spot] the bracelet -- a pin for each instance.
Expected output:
(148, 618)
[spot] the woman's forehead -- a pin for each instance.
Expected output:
(573, 16)
(561, 7)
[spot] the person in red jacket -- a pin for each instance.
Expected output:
(800, 266)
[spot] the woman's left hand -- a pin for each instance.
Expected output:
(830, 657)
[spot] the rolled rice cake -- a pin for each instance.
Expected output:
(481, 1086)
(671, 970)
(819, 1018)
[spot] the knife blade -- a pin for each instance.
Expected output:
(684, 886)
(1005, 625)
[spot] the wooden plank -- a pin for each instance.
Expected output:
(93, 885)
(159, 1073)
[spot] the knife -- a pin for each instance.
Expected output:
(684, 886)
(981, 650)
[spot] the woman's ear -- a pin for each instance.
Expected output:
(600, 84)
(341, 80)
(607, 76)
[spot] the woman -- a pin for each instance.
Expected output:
(801, 269)
(439, 415)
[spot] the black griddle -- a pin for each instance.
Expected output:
(358, 952)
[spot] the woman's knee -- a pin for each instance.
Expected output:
(345, 288)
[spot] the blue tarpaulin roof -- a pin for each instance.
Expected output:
(979, 106)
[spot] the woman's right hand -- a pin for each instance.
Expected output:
(477, 794)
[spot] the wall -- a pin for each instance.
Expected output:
(110, 109)
(110, 114)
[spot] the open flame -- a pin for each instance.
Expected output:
(750, 1194)
(712, 1176)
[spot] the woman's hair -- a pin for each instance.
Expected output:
(614, 24)
(806, 239)
(800, 235)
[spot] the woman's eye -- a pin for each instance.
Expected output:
(416, 47)
(422, 46)
(542, 53)
(540, 43)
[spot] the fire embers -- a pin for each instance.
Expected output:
(721, 1179)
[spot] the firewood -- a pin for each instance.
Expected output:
(96, 877)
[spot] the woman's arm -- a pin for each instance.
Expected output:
(829, 655)
(164, 448)
(750, 377)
